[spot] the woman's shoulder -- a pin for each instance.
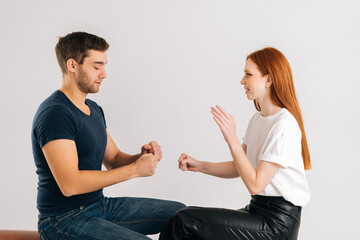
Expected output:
(286, 122)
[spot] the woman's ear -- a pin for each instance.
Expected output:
(268, 81)
(71, 65)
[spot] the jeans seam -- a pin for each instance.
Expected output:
(104, 208)
(42, 221)
(143, 220)
(42, 235)
(71, 235)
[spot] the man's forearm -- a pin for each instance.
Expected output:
(122, 159)
(85, 181)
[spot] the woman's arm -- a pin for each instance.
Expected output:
(255, 180)
(220, 169)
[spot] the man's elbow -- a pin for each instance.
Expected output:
(68, 191)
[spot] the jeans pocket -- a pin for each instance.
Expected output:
(60, 218)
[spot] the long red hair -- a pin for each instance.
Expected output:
(272, 62)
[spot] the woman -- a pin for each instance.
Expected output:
(270, 161)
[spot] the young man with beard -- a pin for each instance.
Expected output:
(71, 142)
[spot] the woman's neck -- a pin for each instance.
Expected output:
(268, 107)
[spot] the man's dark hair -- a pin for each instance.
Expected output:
(76, 45)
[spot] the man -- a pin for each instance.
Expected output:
(70, 143)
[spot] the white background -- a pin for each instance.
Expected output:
(169, 62)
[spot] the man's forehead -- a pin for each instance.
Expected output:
(95, 56)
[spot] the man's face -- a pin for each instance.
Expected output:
(91, 73)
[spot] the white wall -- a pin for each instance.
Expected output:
(169, 61)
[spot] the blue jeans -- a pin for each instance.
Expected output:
(110, 218)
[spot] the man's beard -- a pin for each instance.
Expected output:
(85, 84)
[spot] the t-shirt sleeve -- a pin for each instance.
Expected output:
(248, 130)
(103, 115)
(55, 123)
(279, 145)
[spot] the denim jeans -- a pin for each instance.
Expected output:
(110, 218)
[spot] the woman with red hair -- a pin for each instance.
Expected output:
(271, 162)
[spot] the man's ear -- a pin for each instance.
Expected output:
(268, 81)
(71, 65)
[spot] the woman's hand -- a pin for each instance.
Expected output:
(226, 123)
(187, 163)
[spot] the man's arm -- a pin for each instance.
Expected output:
(61, 156)
(114, 158)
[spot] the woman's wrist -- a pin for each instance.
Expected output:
(234, 143)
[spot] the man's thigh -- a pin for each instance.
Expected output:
(90, 228)
(143, 215)
(85, 223)
(95, 228)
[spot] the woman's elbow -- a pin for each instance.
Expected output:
(254, 190)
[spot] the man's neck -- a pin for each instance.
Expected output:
(70, 89)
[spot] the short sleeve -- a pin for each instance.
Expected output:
(248, 131)
(55, 123)
(103, 115)
(279, 145)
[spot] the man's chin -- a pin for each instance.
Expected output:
(94, 90)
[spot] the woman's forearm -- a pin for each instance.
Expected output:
(243, 166)
(219, 169)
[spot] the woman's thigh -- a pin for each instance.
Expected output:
(218, 223)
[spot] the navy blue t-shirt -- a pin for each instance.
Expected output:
(58, 118)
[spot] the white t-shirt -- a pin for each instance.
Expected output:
(277, 139)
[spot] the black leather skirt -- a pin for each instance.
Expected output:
(270, 218)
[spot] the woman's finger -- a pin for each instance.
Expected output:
(218, 122)
(182, 157)
(227, 115)
(217, 111)
(218, 116)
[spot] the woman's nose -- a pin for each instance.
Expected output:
(242, 82)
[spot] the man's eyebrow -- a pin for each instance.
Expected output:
(102, 63)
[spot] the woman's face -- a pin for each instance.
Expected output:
(256, 86)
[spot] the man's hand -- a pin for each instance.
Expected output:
(153, 148)
(145, 165)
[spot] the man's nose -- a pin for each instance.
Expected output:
(103, 75)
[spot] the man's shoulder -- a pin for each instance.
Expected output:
(53, 106)
(55, 99)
